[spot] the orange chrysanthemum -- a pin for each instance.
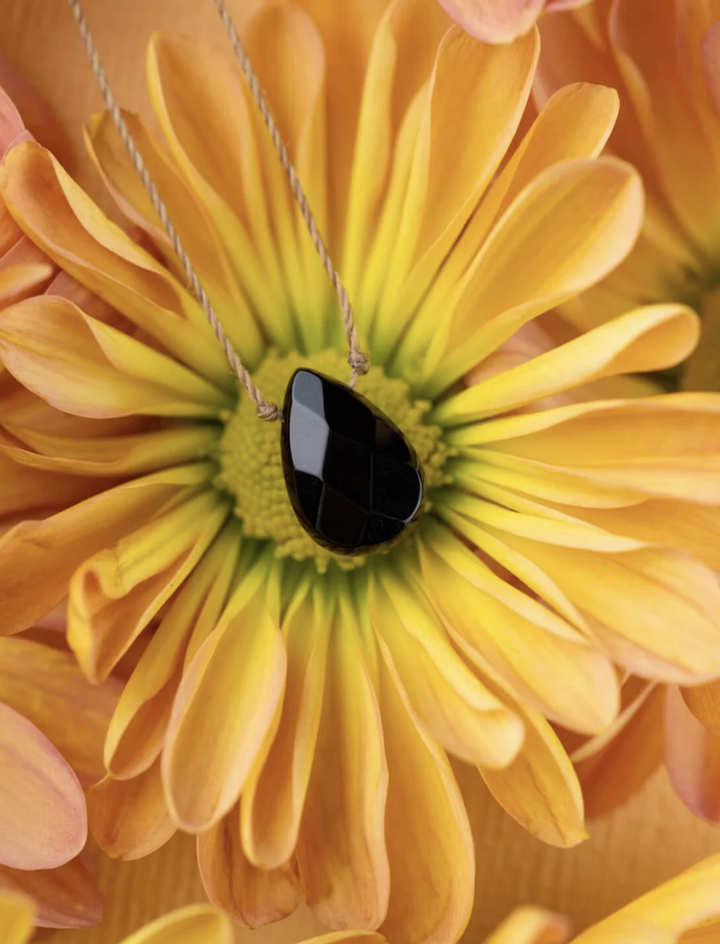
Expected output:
(292, 708)
(664, 57)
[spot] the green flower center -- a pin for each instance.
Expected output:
(251, 464)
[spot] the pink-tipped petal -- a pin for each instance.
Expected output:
(43, 821)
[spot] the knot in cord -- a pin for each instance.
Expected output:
(269, 411)
(360, 364)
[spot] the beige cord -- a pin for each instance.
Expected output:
(356, 358)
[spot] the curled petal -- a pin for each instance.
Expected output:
(253, 897)
(186, 926)
(129, 818)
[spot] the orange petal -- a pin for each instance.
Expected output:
(17, 917)
(495, 21)
(66, 224)
(341, 850)
(65, 897)
(252, 897)
(71, 713)
(621, 764)
(37, 558)
(693, 759)
(429, 843)
(42, 807)
(129, 818)
(36, 114)
(232, 690)
(274, 798)
(115, 593)
(704, 702)
(79, 365)
(27, 492)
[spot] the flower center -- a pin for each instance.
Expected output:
(251, 464)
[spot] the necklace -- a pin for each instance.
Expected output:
(353, 479)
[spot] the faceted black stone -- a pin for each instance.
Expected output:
(353, 479)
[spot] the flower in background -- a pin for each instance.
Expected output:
(664, 58)
(502, 21)
(52, 726)
(687, 908)
(292, 708)
(24, 269)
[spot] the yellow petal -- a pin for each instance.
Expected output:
(401, 61)
(666, 446)
(37, 558)
(43, 823)
(128, 818)
(429, 843)
(647, 339)
(199, 237)
(186, 79)
(540, 789)
(80, 365)
(476, 97)
(195, 924)
(66, 897)
(635, 600)
(137, 730)
(115, 593)
(223, 711)
(283, 33)
(451, 702)
(664, 913)
(692, 754)
(17, 918)
(108, 455)
(596, 211)
(528, 925)
(574, 124)
(274, 798)
(66, 224)
(506, 645)
(71, 713)
(252, 897)
(341, 848)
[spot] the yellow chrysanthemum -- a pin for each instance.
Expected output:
(664, 58)
(292, 712)
(685, 909)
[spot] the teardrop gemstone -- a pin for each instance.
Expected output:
(353, 479)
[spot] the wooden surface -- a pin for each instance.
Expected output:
(651, 839)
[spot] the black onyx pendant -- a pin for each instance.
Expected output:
(353, 479)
